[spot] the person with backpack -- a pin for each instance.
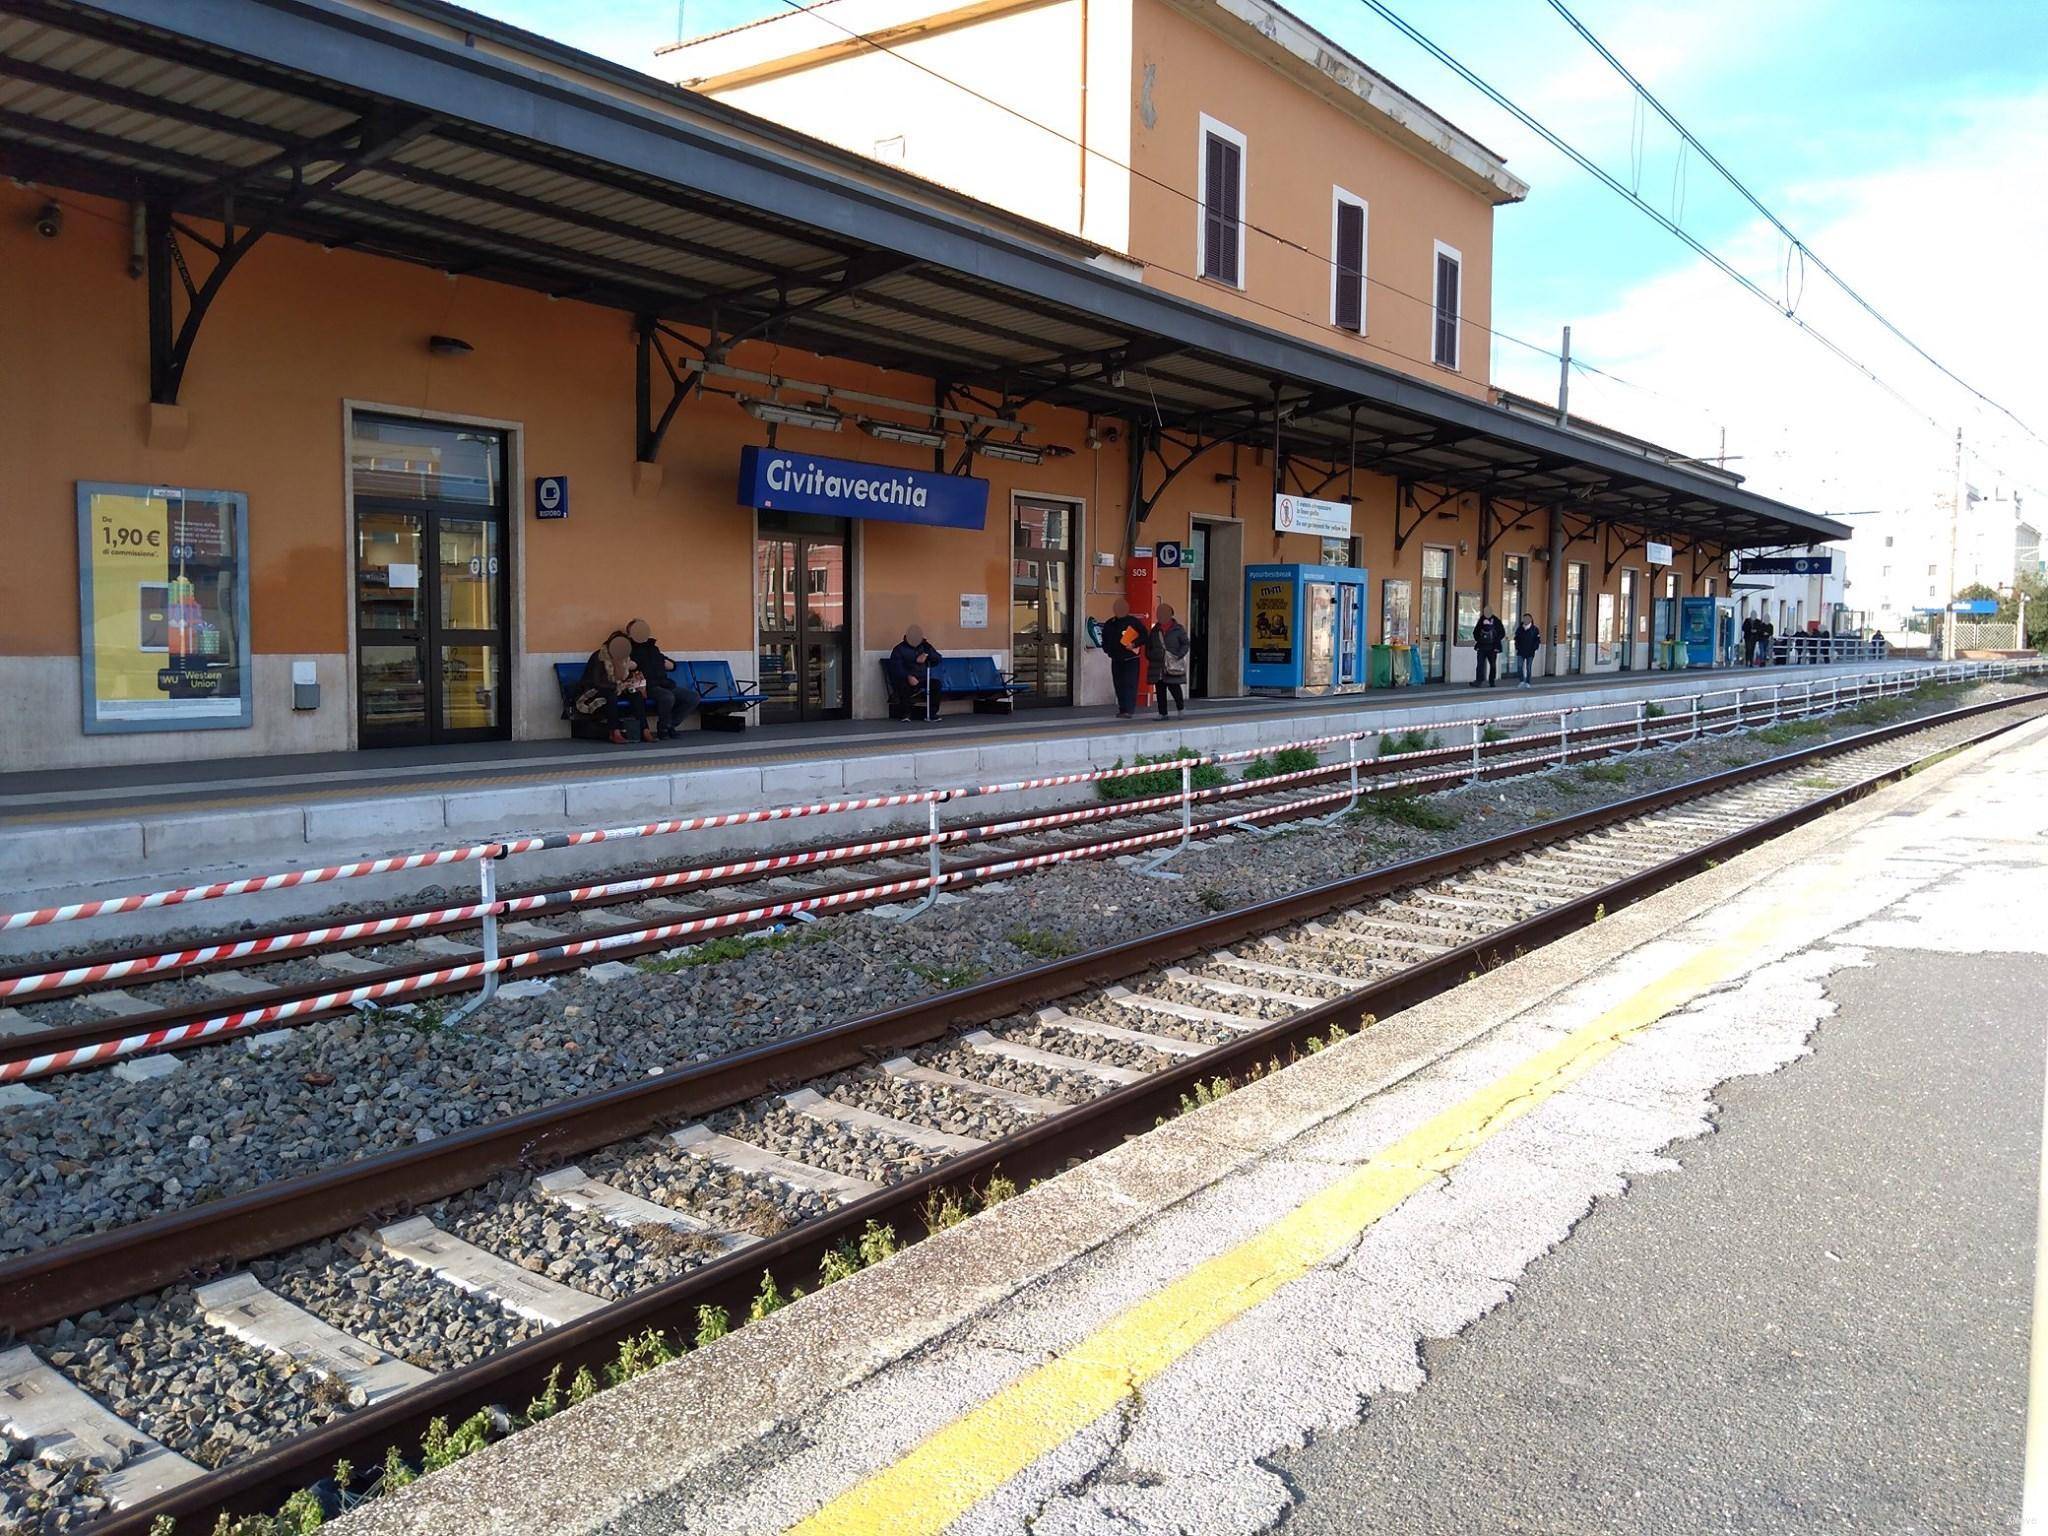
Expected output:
(1123, 642)
(1166, 649)
(1488, 636)
(1528, 641)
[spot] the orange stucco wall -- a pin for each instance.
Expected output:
(1299, 146)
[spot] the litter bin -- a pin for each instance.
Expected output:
(1380, 664)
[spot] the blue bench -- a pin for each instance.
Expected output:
(993, 691)
(722, 702)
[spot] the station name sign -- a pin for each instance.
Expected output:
(804, 482)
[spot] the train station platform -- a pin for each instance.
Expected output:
(1716, 1214)
(66, 831)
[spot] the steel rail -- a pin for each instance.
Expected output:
(263, 1481)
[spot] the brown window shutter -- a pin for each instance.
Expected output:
(1350, 304)
(1446, 311)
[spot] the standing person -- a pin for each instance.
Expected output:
(608, 677)
(1528, 641)
(911, 668)
(1766, 631)
(1123, 641)
(1166, 649)
(672, 701)
(1488, 636)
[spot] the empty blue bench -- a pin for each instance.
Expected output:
(978, 678)
(722, 701)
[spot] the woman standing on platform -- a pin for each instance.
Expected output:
(1166, 650)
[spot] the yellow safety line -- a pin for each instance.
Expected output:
(955, 1468)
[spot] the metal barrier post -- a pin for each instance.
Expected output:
(1694, 733)
(1351, 759)
(1563, 736)
(931, 896)
(1777, 702)
(1642, 715)
(1476, 737)
(487, 895)
(1738, 707)
(1156, 865)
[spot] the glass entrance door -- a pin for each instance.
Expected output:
(800, 573)
(1575, 618)
(1631, 602)
(430, 575)
(1436, 611)
(1198, 611)
(1042, 601)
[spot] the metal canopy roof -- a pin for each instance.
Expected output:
(453, 141)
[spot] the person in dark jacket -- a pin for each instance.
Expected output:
(1528, 641)
(1123, 641)
(609, 677)
(1488, 636)
(1166, 653)
(911, 670)
(671, 701)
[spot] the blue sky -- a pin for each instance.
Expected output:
(1904, 140)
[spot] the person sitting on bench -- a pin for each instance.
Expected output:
(671, 700)
(608, 677)
(910, 669)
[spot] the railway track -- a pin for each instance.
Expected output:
(76, 1009)
(538, 1242)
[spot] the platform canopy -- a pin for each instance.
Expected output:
(427, 133)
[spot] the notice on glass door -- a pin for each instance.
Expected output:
(974, 610)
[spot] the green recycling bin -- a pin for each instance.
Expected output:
(1380, 664)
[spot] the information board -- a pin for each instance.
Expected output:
(163, 607)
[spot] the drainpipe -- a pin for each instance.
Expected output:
(1554, 612)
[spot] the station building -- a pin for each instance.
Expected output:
(368, 361)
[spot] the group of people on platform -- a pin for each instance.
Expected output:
(1162, 645)
(630, 667)
(1490, 637)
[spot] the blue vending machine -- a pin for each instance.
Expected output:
(1304, 629)
(1696, 630)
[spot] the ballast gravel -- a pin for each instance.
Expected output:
(45, 1498)
(103, 1152)
(161, 1367)
(730, 1200)
(393, 1305)
(584, 1252)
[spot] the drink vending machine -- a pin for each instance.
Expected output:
(1304, 628)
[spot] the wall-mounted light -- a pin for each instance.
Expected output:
(1015, 453)
(1463, 547)
(448, 346)
(1223, 479)
(896, 432)
(820, 418)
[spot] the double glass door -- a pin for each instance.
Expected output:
(1042, 601)
(800, 574)
(1575, 618)
(431, 572)
(1631, 606)
(1436, 611)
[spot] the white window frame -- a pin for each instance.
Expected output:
(1436, 307)
(1338, 198)
(1206, 126)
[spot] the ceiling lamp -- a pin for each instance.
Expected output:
(1016, 453)
(821, 418)
(896, 432)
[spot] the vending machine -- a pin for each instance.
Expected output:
(1304, 628)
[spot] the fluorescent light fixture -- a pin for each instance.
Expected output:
(1016, 453)
(896, 432)
(821, 418)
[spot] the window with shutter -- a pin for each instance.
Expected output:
(1347, 302)
(1222, 205)
(1446, 341)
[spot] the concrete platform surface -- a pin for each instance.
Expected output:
(1343, 1296)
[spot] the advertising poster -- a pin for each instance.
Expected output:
(163, 608)
(1273, 623)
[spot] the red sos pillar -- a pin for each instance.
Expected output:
(1138, 575)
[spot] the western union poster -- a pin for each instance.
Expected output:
(164, 608)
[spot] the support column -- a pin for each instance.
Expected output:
(1554, 611)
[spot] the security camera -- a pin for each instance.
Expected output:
(49, 221)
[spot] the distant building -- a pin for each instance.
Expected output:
(1901, 565)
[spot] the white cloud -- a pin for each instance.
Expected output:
(1948, 245)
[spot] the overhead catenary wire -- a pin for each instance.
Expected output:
(1805, 252)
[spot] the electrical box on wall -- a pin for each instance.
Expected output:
(305, 685)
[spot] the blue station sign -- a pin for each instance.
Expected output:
(804, 482)
(1788, 565)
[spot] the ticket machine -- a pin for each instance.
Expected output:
(1304, 629)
